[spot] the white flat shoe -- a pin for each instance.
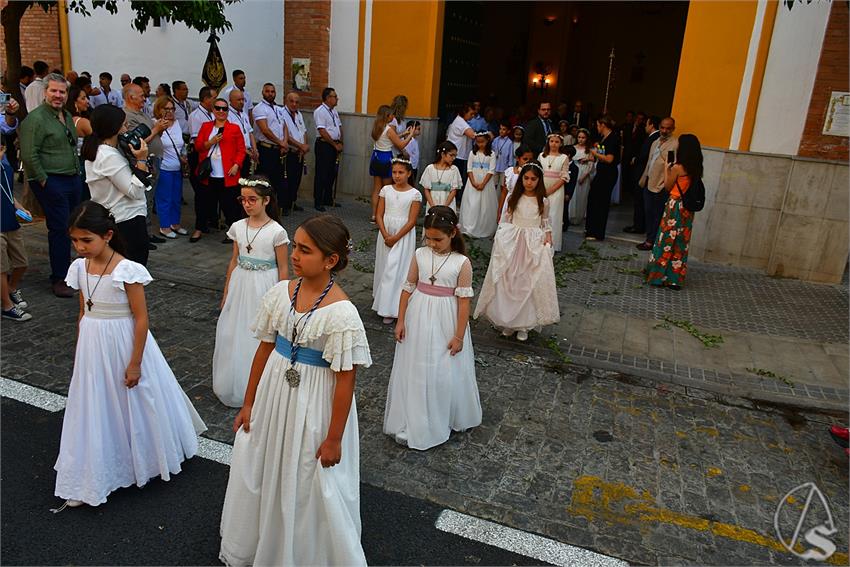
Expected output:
(507, 332)
(522, 335)
(181, 231)
(68, 504)
(388, 320)
(171, 234)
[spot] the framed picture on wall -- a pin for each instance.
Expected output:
(300, 74)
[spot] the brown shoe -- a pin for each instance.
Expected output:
(61, 289)
(644, 246)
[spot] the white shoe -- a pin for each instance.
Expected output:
(388, 320)
(68, 504)
(507, 332)
(170, 234)
(522, 335)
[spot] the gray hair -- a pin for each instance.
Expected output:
(55, 78)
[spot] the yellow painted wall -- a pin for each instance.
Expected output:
(407, 39)
(714, 54)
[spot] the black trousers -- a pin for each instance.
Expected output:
(598, 204)
(135, 234)
(323, 183)
(227, 199)
(461, 166)
(294, 171)
(639, 216)
(271, 167)
(246, 166)
(654, 209)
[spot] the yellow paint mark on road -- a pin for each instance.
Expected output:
(619, 503)
(791, 499)
(713, 471)
(710, 431)
(744, 488)
(681, 434)
(780, 447)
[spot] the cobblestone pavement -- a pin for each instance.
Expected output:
(651, 472)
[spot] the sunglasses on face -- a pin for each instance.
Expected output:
(220, 108)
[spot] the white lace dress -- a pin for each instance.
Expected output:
(556, 168)
(478, 209)
(391, 263)
(282, 507)
(432, 393)
(441, 182)
(578, 204)
(254, 275)
(114, 436)
(519, 290)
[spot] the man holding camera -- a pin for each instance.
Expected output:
(134, 101)
(49, 153)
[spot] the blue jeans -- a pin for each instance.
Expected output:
(59, 196)
(169, 197)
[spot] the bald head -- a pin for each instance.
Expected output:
(292, 100)
(134, 97)
(237, 99)
(667, 127)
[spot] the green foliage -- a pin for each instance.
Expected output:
(768, 374)
(362, 268)
(200, 15)
(362, 245)
(709, 341)
(553, 345)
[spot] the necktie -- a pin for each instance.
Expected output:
(546, 127)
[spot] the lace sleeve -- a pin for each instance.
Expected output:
(545, 223)
(464, 280)
(565, 170)
(409, 284)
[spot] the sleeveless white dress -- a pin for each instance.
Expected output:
(432, 393)
(391, 264)
(478, 208)
(114, 436)
(282, 507)
(254, 275)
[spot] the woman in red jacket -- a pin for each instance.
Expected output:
(224, 144)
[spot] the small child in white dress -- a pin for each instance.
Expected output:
(432, 389)
(519, 292)
(441, 180)
(479, 208)
(556, 166)
(126, 420)
(398, 209)
(293, 496)
(524, 155)
(259, 261)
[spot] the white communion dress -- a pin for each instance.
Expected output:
(432, 393)
(586, 173)
(441, 182)
(519, 290)
(282, 507)
(479, 208)
(391, 263)
(114, 436)
(556, 168)
(255, 273)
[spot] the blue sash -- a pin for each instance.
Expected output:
(308, 356)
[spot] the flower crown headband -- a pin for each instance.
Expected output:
(253, 183)
(534, 164)
(556, 135)
(401, 160)
(485, 133)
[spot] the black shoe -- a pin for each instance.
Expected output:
(321, 209)
(644, 246)
(157, 239)
(194, 239)
(297, 208)
(674, 287)
(151, 246)
(226, 240)
(634, 230)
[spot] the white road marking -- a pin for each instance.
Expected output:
(31, 395)
(522, 543)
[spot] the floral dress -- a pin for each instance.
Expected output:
(668, 261)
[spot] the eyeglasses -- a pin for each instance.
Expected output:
(168, 109)
(250, 200)
(220, 108)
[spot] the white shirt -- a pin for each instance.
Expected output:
(34, 95)
(413, 151)
(241, 119)
(113, 185)
(172, 147)
(182, 111)
(113, 97)
(225, 94)
(273, 115)
(328, 119)
(455, 135)
(215, 157)
(296, 127)
(383, 143)
(147, 108)
(198, 118)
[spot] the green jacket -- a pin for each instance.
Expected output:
(48, 147)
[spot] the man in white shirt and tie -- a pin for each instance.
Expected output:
(239, 81)
(298, 148)
(237, 114)
(328, 147)
(183, 107)
(107, 94)
(270, 131)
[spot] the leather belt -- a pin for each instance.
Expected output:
(267, 145)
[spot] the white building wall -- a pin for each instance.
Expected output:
(789, 77)
(342, 66)
(106, 42)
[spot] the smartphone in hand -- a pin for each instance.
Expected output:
(671, 157)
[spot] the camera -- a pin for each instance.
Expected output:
(132, 139)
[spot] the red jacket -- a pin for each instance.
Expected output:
(232, 150)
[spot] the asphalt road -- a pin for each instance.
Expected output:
(176, 522)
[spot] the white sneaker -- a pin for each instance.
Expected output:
(16, 314)
(522, 335)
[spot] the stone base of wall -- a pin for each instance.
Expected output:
(785, 215)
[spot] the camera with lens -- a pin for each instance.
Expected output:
(132, 140)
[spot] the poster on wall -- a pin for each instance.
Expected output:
(837, 121)
(300, 74)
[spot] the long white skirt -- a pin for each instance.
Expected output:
(440, 198)
(282, 507)
(114, 436)
(431, 392)
(578, 204)
(478, 211)
(235, 344)
(519, 290)
(556, 218)
(391, 267)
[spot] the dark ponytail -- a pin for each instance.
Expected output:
(96, 219)
(444, 219)
(264, 189)
(106, 121)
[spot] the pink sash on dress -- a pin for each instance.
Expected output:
(556, 173)
(435, 290)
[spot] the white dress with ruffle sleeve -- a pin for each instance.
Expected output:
(114, 436)
(432, 393)
(282, 507)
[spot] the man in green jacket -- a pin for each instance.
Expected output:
(49, 153)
